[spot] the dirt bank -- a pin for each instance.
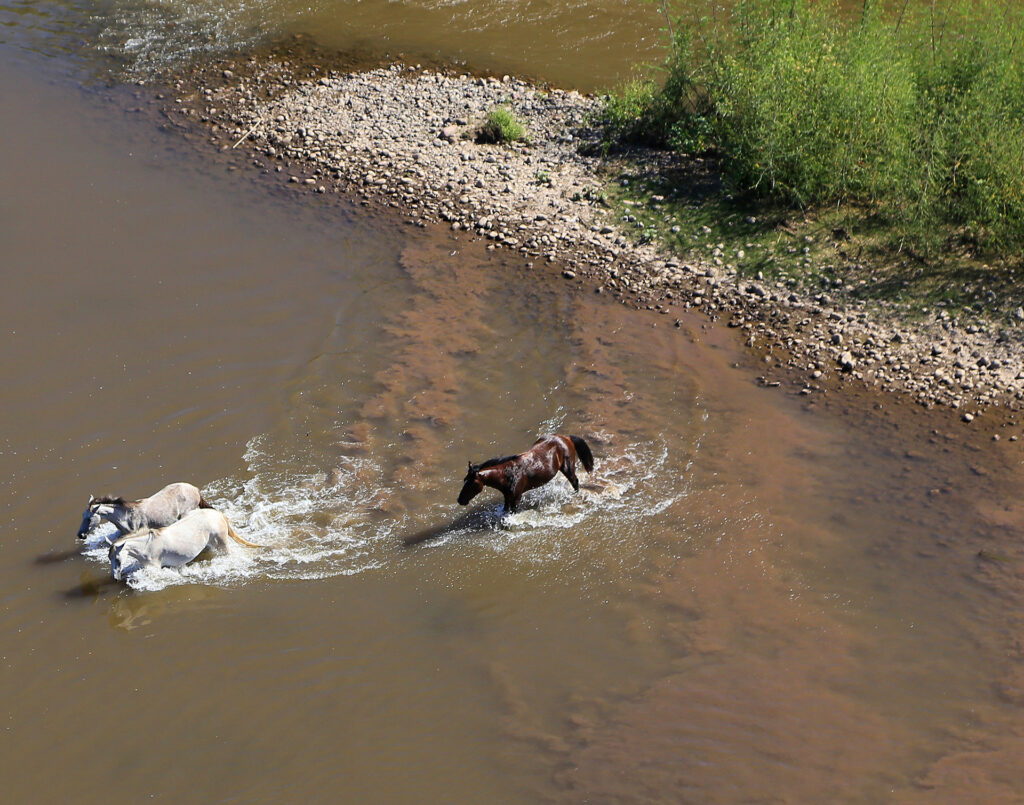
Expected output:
(404, 136)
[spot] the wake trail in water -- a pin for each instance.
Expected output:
(318, 525)
(377, 490)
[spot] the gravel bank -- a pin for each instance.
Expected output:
(404, 136)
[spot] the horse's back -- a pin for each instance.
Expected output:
(184, 494)
(179, 543)
(197, 530)
(171, 503)
(551, 441)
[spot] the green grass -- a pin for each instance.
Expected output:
(905, 116)
(813, 252)
(501, 126)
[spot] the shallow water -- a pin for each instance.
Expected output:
(753, 598)
(588, 44)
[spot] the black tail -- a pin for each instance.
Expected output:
(203, 504)
(583, 451)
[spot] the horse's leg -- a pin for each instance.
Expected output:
(569, 471)
(511, 502)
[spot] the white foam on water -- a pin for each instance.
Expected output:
(315, 525)
(631, 484)
(153, 35)
(99, 538)
(309, 525)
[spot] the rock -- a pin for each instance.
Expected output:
(967, 417)
(395, 136)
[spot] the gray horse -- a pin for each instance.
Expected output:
(167, 506)
(174, 545)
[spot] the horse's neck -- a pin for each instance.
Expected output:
(140, 548)
(499, 477)
(127, 517)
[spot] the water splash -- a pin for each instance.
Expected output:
(151, 35)
(317, 524)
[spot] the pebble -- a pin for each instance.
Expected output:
(397, 135)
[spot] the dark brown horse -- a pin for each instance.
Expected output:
(514, 475)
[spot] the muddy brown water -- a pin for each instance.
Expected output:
(755, 598)
(590, 45)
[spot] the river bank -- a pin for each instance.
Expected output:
(818, 610)
(403, 136)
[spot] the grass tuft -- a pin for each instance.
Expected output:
(501, 126)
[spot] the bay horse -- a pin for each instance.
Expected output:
(174, 545)
(514, 475)
(167, 506)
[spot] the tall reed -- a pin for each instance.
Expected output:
(914, 110)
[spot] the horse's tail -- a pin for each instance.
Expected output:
(234, 535)
(583, 451)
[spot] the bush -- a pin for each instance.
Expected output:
(915, 111)
(501, 126)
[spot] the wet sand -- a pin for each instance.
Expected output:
(315, 120)
(761, 596)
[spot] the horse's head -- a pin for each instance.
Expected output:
(472, 486)
(98, 510)
(123, 561)
(90, 518)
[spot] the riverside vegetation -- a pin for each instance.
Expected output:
(879, 150)
(799, 287)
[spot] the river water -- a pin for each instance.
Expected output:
(756, 597)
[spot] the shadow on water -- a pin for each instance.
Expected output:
(91, 586)
(780, 602)
(127, 609)
(482, 519)
(57, 557)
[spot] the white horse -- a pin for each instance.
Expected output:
(167, 506)
(174, 545)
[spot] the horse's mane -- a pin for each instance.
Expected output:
(493, 462)
(110, 499)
